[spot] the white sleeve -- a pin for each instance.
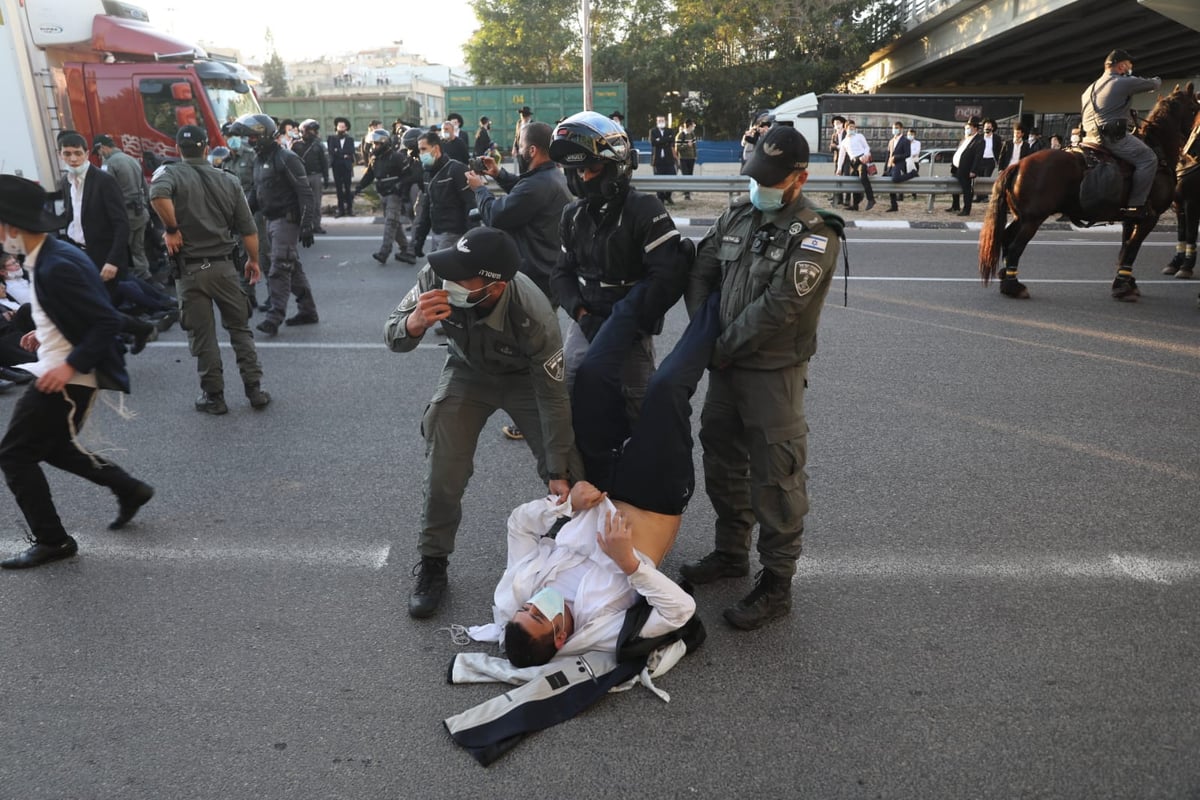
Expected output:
(671, 607)
(530, 522)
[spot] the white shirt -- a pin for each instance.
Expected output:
(988, 152)
(75, 229)
(1016, 153)
(855, 145)
(53, 347)
(17, 286)
(602, 593)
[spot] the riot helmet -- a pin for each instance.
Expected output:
(217, 156)
(310, 126)
(380, 139)
(410, 139)
(257, 130)
(588, 139)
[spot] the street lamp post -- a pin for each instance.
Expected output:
(587, 55)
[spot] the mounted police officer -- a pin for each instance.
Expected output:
(202, 208)
(612, 238)
(282, 192)
(772, 258)
(394, 173)
(1106, 119)
(504, 352)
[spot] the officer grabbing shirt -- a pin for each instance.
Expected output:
(201, 207)
(505, 352)
(772, 258)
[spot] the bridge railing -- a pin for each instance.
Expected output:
(816, 185)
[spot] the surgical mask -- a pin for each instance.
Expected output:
(1074, 138)
(460, 295)
(966, 130)
(550, 602)
(662, 125)
(912, 136)
(235, 142)
(79, 171)
(765, 198)
(427, 159)
(14, 246)
(896, 131)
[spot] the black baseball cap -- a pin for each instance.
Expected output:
(102, 140)
(480, 252)
(191, 138)
(1117, 56)
(780, 151)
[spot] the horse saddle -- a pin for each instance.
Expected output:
(1106, 181)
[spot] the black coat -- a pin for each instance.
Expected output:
(971, 159)
(447, 201)
(105, 223)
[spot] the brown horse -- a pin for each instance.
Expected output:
(1048, 182)
(1187, 208)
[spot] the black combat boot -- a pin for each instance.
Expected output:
(431, 585)
(258, 398)
(212, 403)
(714, 566)
(771, 597)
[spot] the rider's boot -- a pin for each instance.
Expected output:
(1124, 287)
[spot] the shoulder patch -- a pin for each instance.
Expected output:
(795, 228)
(158, 173)
(555, 366)
(410, 300)
(815, 243)
(806, 275)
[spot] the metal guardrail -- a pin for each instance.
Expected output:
(816, 185)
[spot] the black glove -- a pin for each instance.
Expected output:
(419, 249)
(306, 237)
(590, 325)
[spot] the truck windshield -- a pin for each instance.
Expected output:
(227, 102)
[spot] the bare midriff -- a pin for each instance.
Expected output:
(653, 534)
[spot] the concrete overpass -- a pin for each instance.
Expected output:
(1049, 50)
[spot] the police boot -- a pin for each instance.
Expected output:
(1175, 264)
(1188, 268)
(771, 597)
(714, 566)
(431, 585)
(258, 398)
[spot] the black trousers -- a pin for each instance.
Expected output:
(42, 429)
(649, 466)
(343, 179)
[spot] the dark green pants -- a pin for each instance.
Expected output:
(755, 444)
(199, 288)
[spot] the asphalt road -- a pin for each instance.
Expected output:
(998, 596)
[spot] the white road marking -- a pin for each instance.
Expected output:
(373, 558)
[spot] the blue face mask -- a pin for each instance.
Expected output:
(765, 198)
(550, 602)
(427, 159)
(235, 142)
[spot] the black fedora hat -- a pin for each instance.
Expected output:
(23, 205)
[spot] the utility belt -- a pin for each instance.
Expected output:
(135, 208)
(1113, 131)
(291, 215)
(190, 265)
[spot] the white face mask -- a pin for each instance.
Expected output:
(896, 131)
(966, 130)
(662, 125)
(460, 295)
(1074, 138)
(912, 136)
(79, 171)
(550, 602)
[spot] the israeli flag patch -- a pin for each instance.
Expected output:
(815, 243)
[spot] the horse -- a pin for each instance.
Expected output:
(1048, 181)
(1187, 207)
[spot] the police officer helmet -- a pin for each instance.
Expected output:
(258, 130)
(411, 138)
(217, 156)
(380, 138)
(310, 125)
(588, 139)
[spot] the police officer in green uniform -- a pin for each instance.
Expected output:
(772, 257)
(505, 352)
(201, 207)
(128, 173)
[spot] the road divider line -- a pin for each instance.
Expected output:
(372, 558)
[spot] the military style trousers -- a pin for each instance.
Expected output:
(635, 374)
(198, 288)
(287, 275)
(648, 464)
(316, 183)
(393, 225)
(755, 443)
(138, 262)
(460, 408)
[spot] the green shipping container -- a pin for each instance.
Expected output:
(549, 102)
(359, 109)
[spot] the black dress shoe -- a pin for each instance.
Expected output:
(128, 505)
(17, 376)
(6, 385)
(964, 213)
(145, 334)
(41, 554)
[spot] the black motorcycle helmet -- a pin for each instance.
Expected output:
(588, 139)
(310, 126)
(257, 130)
(410, 139)
(217, 156)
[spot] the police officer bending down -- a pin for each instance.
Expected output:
(505, 352)
(612, 238)
(772, 258)
(200, 205)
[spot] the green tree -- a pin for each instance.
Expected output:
(523, 41)
(275, 76)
